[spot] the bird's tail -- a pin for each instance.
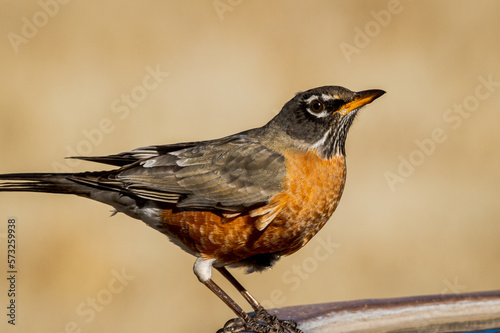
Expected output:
(42, 182)
(84, 184)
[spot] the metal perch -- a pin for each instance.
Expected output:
(423, 314)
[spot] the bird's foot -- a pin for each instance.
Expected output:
(274, 324)
(261, 322)
(233, 325)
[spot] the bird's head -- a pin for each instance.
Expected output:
(320, 118)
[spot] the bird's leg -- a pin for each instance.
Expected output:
(260, 313)
(263, 323)
(250, 299)
(203, 270)
(233, 325)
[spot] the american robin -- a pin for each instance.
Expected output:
(241, 201)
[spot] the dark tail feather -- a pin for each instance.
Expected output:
(42, 182)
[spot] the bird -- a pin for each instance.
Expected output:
(243, 200)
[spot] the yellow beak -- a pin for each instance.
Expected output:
(362, 98)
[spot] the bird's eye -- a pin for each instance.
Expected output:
(316, 106)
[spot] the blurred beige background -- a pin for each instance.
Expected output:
(415, 218)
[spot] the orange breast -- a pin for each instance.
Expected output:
(312, 190)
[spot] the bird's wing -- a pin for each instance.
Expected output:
(234, 174)
(129, 157)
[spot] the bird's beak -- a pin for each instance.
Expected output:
(362, 98)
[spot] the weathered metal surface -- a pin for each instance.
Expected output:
(423, 314)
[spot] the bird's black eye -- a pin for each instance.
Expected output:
(316, 106)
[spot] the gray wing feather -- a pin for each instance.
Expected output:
(231, 175)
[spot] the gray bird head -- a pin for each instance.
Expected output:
(320, 118)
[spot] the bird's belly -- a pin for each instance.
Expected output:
(311, 193)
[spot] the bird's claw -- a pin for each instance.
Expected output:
(261, 322)
(233, 325)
